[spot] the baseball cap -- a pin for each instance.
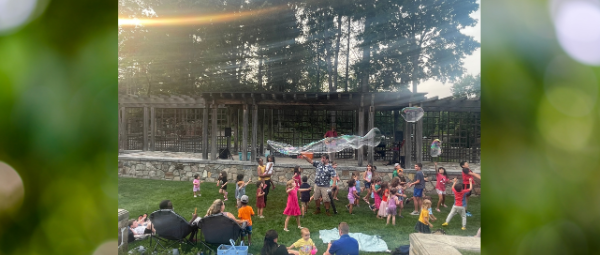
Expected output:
(244, 199)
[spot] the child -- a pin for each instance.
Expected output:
(223, 180)
(358, 190)
(305, 245)
(400, 187)
(375, 189)
(440, 186)
(460, 202)
(296, 177)
(269, 170)
(245, 213)
(196, 183)
(240, 188)
(423, 225)
(304, 194)
(384, 193)
(367, 177)
(260, 198)
(352, 195)
(334, 182)
(292, 208)
(391, 207)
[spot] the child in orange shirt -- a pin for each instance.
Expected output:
(245, 213)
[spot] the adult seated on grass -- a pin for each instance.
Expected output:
(137, 229)
(346, 245)
(271, 247)
(219, 207)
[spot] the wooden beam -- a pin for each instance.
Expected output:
(254, 132)
(205, 133)
(236, 123)
(125, 129)
(215, 132)
(145, 135)
(262, 133)
(245, 133)
(152, 129)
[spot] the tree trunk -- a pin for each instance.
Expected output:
(348, 53)
(337, 52)
(366, 58)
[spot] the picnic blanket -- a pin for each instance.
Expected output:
(366, 243)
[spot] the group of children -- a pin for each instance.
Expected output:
(389, 198)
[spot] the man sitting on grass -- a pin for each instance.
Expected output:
(346, 245)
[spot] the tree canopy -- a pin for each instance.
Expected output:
(467, 87)
(188, 47)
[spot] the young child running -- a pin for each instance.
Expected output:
(368, 177)
(305, 245)
(196, 183)
(440, 186)
(260, 198)
(423, 225)
(460, 202)
(352, 195)
(305, 194)
(358, 190)
(384, 193)
(245, 212)
(223, 180)
(292, 208)
(396, 184)
(393, 202)
(375, 189)
(240, 189)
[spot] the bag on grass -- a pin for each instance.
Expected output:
(232, 249)
(402, 250)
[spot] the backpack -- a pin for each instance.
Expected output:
(402, 250)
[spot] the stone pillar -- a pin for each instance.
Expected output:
(123, 219)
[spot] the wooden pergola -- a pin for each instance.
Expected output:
(365, 105)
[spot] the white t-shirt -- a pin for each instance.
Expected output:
(139, 230)
(269, 168)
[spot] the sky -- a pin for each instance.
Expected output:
(472, 63)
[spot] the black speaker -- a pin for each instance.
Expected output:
(227, 132)
(224, 153)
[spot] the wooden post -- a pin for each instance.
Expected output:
(229, 113)
(396, 153)
(205, 131)
(371, 149)
(262, 133)
(245, 133)
(123, 129)
(408, 145)
(152, 128)
(215, 132)
(357, 128)
(361, 128)
(236, 123)
(145, 135)
(254, 132)
(271, 124)
(419, 141)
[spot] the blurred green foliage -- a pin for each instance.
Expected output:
(540, 165)
(58, 127)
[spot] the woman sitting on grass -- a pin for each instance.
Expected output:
(219, 207)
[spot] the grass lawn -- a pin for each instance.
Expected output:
(140, 196)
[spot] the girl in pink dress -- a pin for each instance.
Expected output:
(292, 208)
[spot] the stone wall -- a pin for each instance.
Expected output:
(185, 169)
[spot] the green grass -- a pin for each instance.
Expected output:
(142, 195)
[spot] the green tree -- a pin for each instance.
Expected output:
(467, 87)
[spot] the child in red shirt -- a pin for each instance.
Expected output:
(460, 202)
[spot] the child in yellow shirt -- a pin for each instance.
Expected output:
(305, 245)
(423, 223)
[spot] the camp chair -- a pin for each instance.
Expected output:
(218, 229)
(170, 228)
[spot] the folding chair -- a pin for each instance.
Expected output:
(170, 228)
(219, 229)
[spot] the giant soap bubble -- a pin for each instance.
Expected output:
(330, 144)
(436, 148)
(412, 114)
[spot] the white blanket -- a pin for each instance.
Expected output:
(366, 243)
